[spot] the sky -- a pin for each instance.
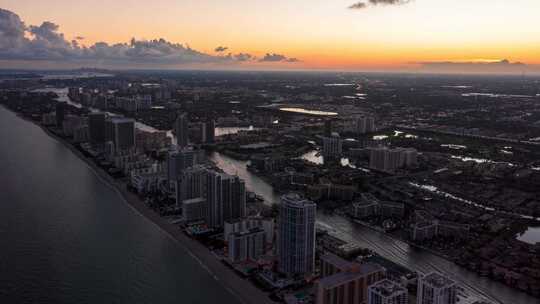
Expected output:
(398, 35)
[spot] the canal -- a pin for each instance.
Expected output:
(395, 250)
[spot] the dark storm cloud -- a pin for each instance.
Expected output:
(220, 49)
(45, 42)
(365, 4)
(273, 57)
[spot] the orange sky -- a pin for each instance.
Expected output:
(322, 33)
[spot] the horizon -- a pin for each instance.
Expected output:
(358, 36)
(512, 74)
(150, 150)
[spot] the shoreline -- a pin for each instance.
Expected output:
(243, 290)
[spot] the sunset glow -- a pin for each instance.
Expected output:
(321, 34)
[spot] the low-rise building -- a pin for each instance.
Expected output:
(349, 286)
(193, 209)
(246, 245)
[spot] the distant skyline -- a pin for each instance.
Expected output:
(497, 36)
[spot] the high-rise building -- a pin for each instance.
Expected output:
(332, 146)
(296, 235)
(210, 131)
(121, 131)
(435, 288)
(387, 292)
(328, 127)
(349, 286)
(235, 207)
(96, 128)
(177, 161)
(60, 113)
(246, 245)
(190, 184)
(226, 198)
(388, 160)
(181, 127)
(71, 123)
(408, 157)
(361, 124)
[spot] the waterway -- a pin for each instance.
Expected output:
(310, 112)
(63, 97)
(531, 235)
(67, 237)
(398, 251)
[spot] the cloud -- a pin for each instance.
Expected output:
(273, 57)
(489, 66)
(220, 49)
(358, 5)
(365, 4)
(243, 57)
(79, 38)
(46, 43)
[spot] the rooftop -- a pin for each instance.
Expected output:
(122, 120)
(194, 200)
(355, 273)
(296, 199)
(387, 288)
(337, 262)
(437, 280)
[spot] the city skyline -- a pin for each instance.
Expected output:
(403, 36)
(235, 152)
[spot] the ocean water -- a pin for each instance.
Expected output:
(67, 237)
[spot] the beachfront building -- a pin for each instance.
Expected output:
(225, 197)
(296, 235)
(246, 245)
(193, 209)
(246, 224)
(60, 113)
(178, 161)
(96, 128)
(190, 183)
(121, 131)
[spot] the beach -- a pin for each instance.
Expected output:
(241, 288)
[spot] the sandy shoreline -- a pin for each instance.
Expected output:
(241, 288)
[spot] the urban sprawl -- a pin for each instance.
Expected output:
(449, 165)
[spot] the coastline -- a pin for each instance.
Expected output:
(244, 291)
